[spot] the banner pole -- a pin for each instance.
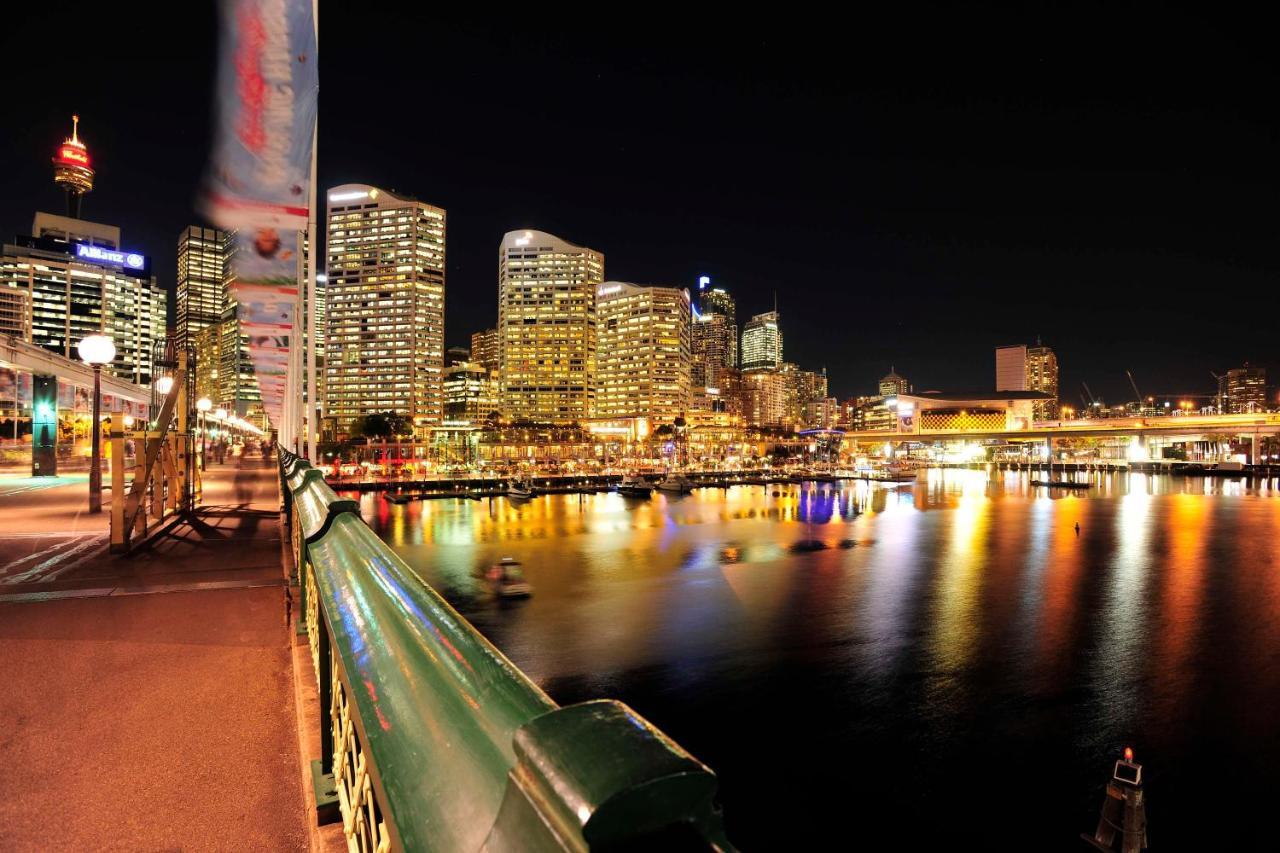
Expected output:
(309, 415)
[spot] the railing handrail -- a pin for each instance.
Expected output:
(462, 750)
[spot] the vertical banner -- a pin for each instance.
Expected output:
(259, 182)
(266, 313)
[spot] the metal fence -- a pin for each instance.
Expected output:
(432, 740)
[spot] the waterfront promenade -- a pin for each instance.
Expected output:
(148, 700)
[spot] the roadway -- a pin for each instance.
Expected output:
(149, 699)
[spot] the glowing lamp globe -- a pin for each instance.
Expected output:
(164, 384)
(204, 404)
(96, 349)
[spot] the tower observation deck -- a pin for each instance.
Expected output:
(72, 170)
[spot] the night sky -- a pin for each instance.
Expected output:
(915, 190)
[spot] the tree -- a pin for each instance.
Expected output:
(381, 425)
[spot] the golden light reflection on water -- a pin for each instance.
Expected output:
(955, 619)
(954, 572)
(951, 614)
(1180, 579)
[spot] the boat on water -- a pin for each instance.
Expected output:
(1062, 484)
(508, 580)
(888, 474)
(635, 486)
(520, 488)
(674, 482)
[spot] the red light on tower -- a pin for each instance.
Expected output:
(72, 170)
(1128, 753)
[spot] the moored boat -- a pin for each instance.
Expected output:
(674, 482)
(635, 486)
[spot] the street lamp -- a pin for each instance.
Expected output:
(95, 351)
(203, 405)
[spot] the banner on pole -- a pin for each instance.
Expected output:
(259, 180)
(266, 313)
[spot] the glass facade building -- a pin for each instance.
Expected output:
(547, 326)
(643, 356)
(384, 307)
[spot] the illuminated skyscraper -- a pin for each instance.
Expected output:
(547, 326)
(78, 282)
(1023, 368)
(765, 392)
(15, 313)
(893, 384)
(1243, 390)
(204, 270)
(1042, 376)
(716, 300)
(470, 393)
(761, 342)
(643, 356)
(384, 343)
(715, 334)
(713, 348)
(485, 350)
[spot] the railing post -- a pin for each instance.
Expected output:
(328, 804)
(326, 696)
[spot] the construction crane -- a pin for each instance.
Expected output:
(1217, 397)
(1134, 386)
(1093, 401)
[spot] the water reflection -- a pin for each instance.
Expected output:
(945, 637)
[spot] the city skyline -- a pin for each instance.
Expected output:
(912, 230)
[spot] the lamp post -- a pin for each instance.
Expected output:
(95, 351)
(220, 415)
(203, 405)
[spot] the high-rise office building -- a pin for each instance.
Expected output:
(764, 395)
(470, 392)
(761, 342)
(79, 282)
(204, 270)
(1042, 376)
(239, 391)
(384, 301)
(1011, 368)
(485, 350)
(1243, 389)
(547, 326)
(15, 313)
(642, 361)
(805, 388)
(713, 348)
(1023, 368)
(207, 344)
(716, 300)
(893, 384)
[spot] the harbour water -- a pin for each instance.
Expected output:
(955, 664)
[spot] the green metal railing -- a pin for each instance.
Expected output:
(432, 740)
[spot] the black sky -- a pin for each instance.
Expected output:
(915, 189)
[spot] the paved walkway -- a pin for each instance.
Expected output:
(148, 702)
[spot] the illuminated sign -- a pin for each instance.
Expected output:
(102, 255)
(349, 196)
(73, 155)
(605, 291)
(703, 281)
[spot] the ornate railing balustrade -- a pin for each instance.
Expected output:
(432, 740)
